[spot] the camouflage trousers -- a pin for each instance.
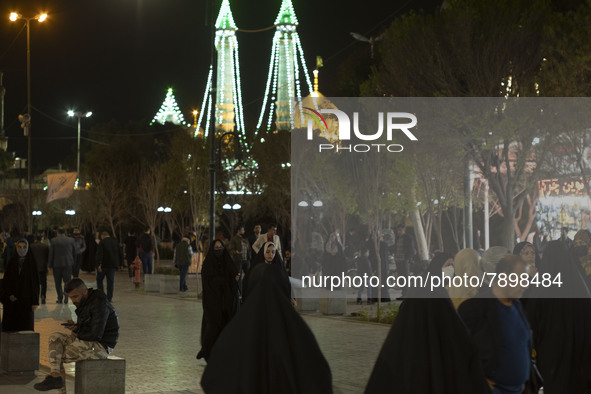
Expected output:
(65, 348)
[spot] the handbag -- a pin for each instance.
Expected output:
(535, 381)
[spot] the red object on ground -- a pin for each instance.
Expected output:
(137, 267)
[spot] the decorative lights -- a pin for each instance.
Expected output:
(229, 111)
(283, 81)
(169, 111)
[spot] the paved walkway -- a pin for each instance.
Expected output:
(159, 339)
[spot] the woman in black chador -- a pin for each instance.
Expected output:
(428, 349)
(220, 295)
(267, 348)
(560, 318)
(267, 256)
(20, 294)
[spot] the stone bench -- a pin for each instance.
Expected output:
(19, 354)
(100, 376)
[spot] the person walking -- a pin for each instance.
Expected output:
(561, 323)
(256, 231)
(130, 251)
(109, 257)
(40, 251)
(428, 349)
(146, 250)
(240, 252)
(20, 290)
(220, 295)
(183, 253)
(62, 257)
(80, 248)
(269, 236)
(404, 253)
(268, 347)
(500, 330)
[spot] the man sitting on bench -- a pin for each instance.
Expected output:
(93, 337)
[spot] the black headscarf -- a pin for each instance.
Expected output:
(561, 326)
(428, 349)
(519, 247)
(437, 262)
(279, 355)
(220, 296)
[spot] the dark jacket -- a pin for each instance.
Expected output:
(130, 247)
(97, 320)
(146, 243)
(182, 256)
(109, 254)
(62, 252)
(236, 245)
(40, 253)
(480, 314)
(409, 246)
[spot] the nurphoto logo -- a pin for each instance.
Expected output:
(391, 120)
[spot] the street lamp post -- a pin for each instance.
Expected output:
(26, 119)
(212, 130)
(79, 115)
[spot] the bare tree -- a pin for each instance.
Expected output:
(472, 48)
(147, 197)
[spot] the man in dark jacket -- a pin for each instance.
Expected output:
(146, 249)
(40, 253)
(93, 337)
(62, 257)
(500, 330)
(109, 257)
(183, 255)
(240, 252)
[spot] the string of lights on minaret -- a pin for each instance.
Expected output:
(229, 112)
(283, 81)
(169, 111)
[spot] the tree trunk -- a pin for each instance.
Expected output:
(508, 225)
(415, 217)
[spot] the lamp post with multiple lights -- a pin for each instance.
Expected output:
(26, 118)
(79, 115)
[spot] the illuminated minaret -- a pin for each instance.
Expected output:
(283, 82)
(228, 101)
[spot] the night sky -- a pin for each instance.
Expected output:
(118, 57)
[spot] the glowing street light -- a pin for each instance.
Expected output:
(79, 115)
(26, 118)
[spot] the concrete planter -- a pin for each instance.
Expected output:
(152, 283)
(169, 284)
(307, 299)
(332, 302)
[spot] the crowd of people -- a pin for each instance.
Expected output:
(493, 338)
(490, 338)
